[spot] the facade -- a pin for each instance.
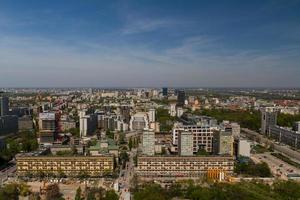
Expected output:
(69, 165)
(172, 109)
(223, 143)
(148, 142)
(244, 148)
(180, 98)
(165, 92)
(151, 114)
(285, 135)
(8, 124)
(139, 122)
(47, 127)
(202, 136)
(185, 143)
(87, 124)
(268, 118)
(184, 167)
(4, 106)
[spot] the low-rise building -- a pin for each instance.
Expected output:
(69, 165)
(184, 167)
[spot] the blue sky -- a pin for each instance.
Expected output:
(93, 43)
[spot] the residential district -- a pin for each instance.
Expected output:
(149, 143)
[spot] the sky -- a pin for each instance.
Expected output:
(154, 43)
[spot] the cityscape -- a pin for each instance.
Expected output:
(149, 100)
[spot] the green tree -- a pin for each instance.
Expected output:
(78, 194)
(130, 144)
(111, 195)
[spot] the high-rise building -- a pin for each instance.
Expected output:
(185, 143)
(223, 143)
(268, 118)
(172, 111)
(165, 92)
(151, 115)
(180, 97)
(88, 124)
(148, 142)
(47, 127)
(202, 136)
(4, 108)
(125, 112)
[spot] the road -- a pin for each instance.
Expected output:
(127, 176)
(278, 167)
(7, 172)
(280, 148)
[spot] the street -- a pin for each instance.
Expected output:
(126, 175)
(278, 167)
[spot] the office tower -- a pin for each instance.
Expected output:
(172, 111)
(223, 143)
(268, 118)
(244, 148)
(165, 92)
(151, 114)
(148, 142)
(180, 97)
(139, 121)
(88, 124)
(179, 112)
(202, 136)
(185, 143)
(47, 127)
(4, 108)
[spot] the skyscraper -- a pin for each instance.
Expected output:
(165, 92)
(180, 98)
(4, 108)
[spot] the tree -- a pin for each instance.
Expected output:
(130, 144)
(78, 194)
(111, 195)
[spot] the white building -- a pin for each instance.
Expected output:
(151, 115)
(148, 142)
(179, 112)
(139, 121)
(244, 148)
(185, 143)
(172, 110)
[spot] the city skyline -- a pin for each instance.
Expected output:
(149, 44)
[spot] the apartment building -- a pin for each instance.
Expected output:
(69, 165)
(186, 167)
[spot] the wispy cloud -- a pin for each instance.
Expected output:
(135, 26)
